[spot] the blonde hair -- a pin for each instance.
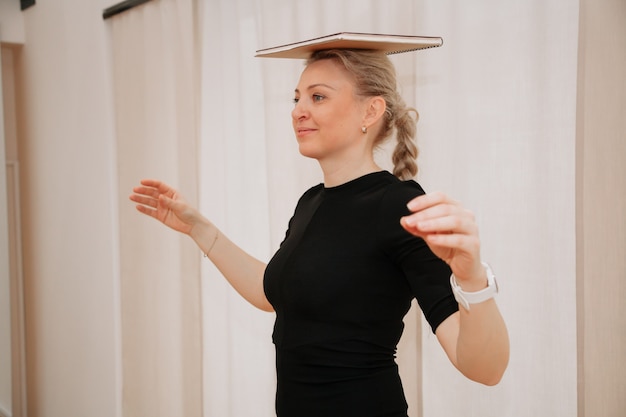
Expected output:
(375, 76)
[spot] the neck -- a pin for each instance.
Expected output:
(344, 171)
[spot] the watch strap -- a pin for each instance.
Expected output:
(465, 298)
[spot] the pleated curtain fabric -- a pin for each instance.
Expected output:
(155, 96)
(496, 131)
(497, 127)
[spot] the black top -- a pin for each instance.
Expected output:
(341, 283)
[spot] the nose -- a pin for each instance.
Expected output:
(299, 111)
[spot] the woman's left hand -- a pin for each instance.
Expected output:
(450, 231)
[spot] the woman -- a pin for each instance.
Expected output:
(359, 247)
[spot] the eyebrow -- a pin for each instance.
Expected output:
(318, 85)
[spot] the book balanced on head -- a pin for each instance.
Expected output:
(390, 44)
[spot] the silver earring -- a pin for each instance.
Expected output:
(364, 129)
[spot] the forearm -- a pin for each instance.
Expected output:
(241, 270)
(482, 350)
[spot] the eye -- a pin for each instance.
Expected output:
(318, 97)
(296, 100)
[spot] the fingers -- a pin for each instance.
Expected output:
(461, 243)
(437, 213)
(147, 211)
(153, 188)
(153, 183)
(141, 197)
(443, 219)
(429, 200)
(160, 187)
(147, 195)
(442, 222)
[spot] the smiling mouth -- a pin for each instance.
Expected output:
(303, 131)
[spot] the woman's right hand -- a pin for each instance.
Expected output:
(159, 200)
(244, 272)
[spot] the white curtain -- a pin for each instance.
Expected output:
(497, 131)
(155, 80)
(252, 175)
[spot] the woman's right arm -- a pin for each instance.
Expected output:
(244, 272)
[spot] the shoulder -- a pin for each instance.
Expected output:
(397, 194)
(392, 206)
(387, 187)
(408, 188)
(311, 194)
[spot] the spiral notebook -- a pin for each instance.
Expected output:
(389, 44)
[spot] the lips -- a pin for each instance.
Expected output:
(303, 131)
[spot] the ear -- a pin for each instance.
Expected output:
(374, 110)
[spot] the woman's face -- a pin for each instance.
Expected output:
(327, 116)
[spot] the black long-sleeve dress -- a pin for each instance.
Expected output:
(341, 283)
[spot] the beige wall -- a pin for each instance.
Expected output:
(78, 279)
(65, 132)
(601, 208)
(5, 306)
(11, 31)
(11, 22)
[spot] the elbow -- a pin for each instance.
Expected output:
(489, 370)
(267, 308)
(489, 367)
(488, 373)
(492, 381)
(489, 379)
(264, 305)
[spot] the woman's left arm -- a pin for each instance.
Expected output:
(475, 340)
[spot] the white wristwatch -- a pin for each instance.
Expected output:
(465, 298)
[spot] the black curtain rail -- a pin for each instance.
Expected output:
(121, 7)
(25, 4)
